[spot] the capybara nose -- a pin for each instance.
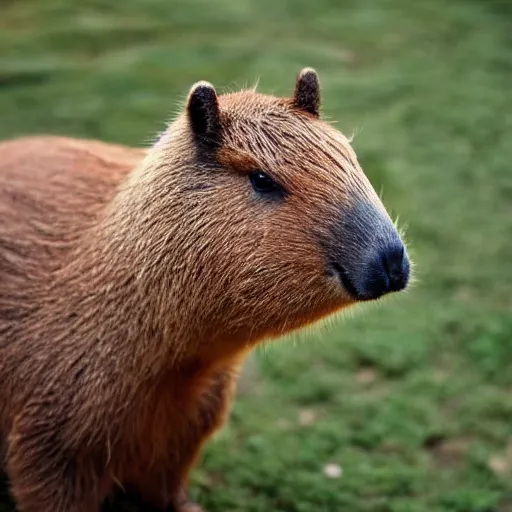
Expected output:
(397, 267)
(385, 271)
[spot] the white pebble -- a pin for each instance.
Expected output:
(333, 470)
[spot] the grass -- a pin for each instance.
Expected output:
(412, 398)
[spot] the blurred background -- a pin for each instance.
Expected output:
(402, 407)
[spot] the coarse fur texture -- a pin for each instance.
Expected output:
(133, 283)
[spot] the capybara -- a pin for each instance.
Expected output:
(133, 283)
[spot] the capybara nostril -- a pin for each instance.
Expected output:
(396, 264)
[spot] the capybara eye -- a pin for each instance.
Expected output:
(263, 183)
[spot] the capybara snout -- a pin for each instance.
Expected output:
(367, 255)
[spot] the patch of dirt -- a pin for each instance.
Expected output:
(501, 463)
(307, 417)
(366, 376)
(448, 452)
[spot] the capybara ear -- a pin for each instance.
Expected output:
(203, 113)
(307, 92)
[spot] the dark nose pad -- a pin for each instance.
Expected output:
(396, 266)
(387, 270)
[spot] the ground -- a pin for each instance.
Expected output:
(412, 398)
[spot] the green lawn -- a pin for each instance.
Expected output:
(413, 397)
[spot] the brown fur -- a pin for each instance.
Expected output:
(134, 283)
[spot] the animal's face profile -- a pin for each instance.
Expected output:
(299, 231)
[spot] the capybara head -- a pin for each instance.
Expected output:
(259, 211)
